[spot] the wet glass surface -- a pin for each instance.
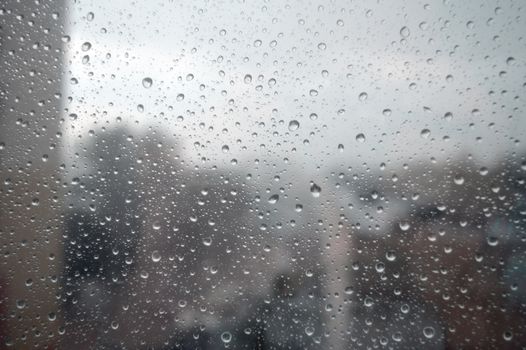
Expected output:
(262, 175)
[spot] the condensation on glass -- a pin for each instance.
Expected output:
(262, 175)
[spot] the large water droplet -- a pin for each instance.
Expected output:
(226, 337)
(360, 137)
(86, 46)
(458, 179)
(273, 199)
(425, 133)
(315, 190)
(294, 125)
(429, 332)
(404, 225)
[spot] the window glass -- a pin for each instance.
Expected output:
(262, 175)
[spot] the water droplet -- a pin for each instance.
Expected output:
(147, 82)
(90, 16)
(20, 303)
(226, 337)
(309, 330)
(507, 335)
(360, 138)
(425, 133)
(294, 125)
(404, 225)
(315, 190)
(429, 332)
(156, 225)
(363, 96)
(86, 46)
(390, 255)
(156, 256)
(458, 179)
(380, 267)
(322, 46)
(404, 32)
(368, 301)
(492, 241)
(341, 147)
(273, 199)
(397, 336)
(248, 79)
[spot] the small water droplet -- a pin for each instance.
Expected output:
(492, 241)
(363, 96)
(360, 137)
(404, 32)
(147, 82)
(429, 332)
(86, 46)
(368, 301)
(425, 133)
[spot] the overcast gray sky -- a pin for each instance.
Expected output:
(415, 60)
